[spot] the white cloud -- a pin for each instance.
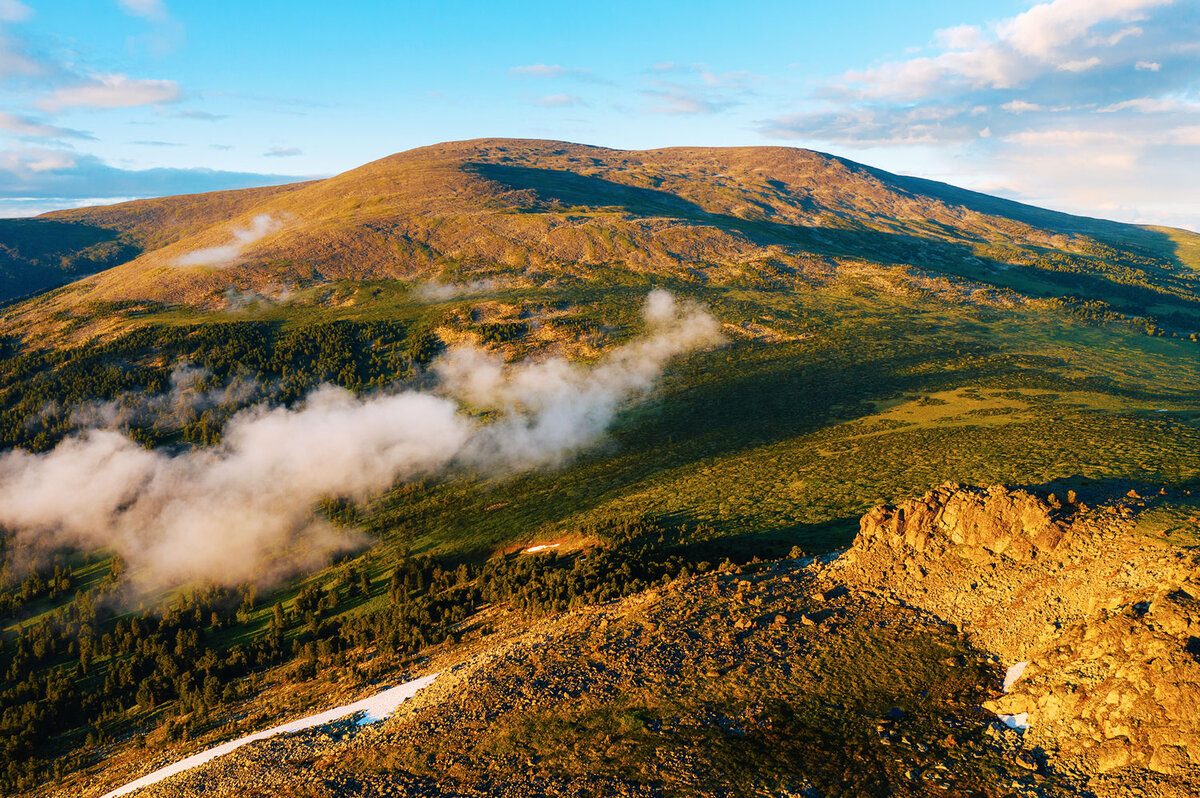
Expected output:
(111, 91)
(1124, 33)
(50, 162)
(46, 177)
(1047, 27)
(551, 71)
(559, 100)
(32, 160)
(204, 116)
(25, 127)
(681, 101)
(695, 89)
(1082, 65)
(960, 37)
(1147, 66)
(1049, 37)
(1150, 105)
(14, 61)
(283, 152)
(880, 126)
(13, 11)
(1020, 106)
(147, 9)
(1068, 138)
(1188, 136)
(243, 510)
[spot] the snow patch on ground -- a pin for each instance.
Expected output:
(1013, 674)
(1020, 721)
(373, 709)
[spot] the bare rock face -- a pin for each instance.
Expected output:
(1105, 615)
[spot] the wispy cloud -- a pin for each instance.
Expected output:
(110, 91)
(283, 152)
(694, 89)
(15, 59)
(166, 33)
(147, 9)
(27, 128)
(227, 254)
(559, 100)
(552, 71)
(13, 11)
(677, 100)
(202, 116)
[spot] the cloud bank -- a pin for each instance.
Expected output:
(242, 510)
(1081, 104)
(38, 179)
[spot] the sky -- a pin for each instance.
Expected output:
(1087, 106)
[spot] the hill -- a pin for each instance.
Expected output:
(550, 211)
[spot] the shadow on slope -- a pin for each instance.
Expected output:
(553, 190)
(39, 254)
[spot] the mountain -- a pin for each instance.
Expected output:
(547, 211)
(460, 407)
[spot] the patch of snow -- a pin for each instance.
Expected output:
(1013, 674)
(542, 547)
(373, 709)
(1020, 721)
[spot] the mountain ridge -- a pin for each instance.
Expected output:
(542, 210)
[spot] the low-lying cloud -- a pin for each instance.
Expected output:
(191, 392)
(243, 510)
(237, 299)
(227, 254)
(435, 291)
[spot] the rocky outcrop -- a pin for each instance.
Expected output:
(1105, 614)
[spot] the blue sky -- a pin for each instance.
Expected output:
(1090, 106)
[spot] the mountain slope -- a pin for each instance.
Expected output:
(878, 672)
(543, 211)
